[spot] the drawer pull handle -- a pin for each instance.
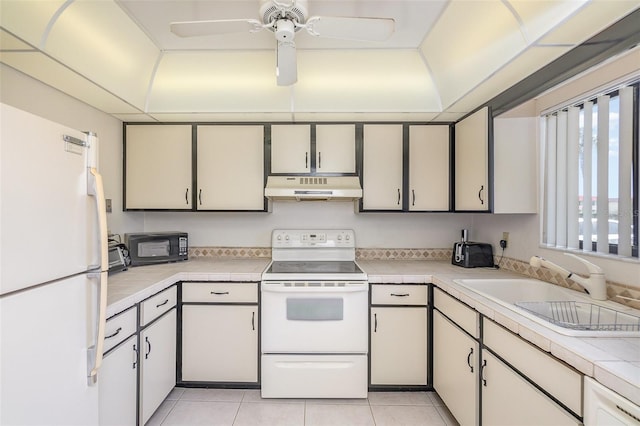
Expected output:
(484, 381)
(375, 323)
(220, 292)
(400, 294)
(253, 321)
(469, 359)
(146, 339)
(163, 303)
(398, 196)
(114, 334)
(480, 194)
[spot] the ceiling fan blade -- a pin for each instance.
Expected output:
(351, 28)
(204, 28)
(286, 63)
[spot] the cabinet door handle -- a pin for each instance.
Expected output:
(480, 194)
(484, 381)
(413, 193)
(400, 294)
(146, 339)
(220, 293)
(200, 196)
(319, 160)
(306, 160)
(469, 359)
(135, 356)
(375, 323)
(253, 320)
(163, 303)
(186, 196)
(398, 196)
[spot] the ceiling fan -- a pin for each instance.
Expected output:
(284, 18)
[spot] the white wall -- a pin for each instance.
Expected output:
(373, 230)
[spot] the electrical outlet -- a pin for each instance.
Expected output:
(505, 236)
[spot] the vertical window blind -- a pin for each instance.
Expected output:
(590, 174)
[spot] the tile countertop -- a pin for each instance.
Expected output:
(614, 362)
(129, 287)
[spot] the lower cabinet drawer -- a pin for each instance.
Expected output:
(157, 305)
(465, 317)
(398, 294)
(207, 292)
(119, 327)
(314, 376)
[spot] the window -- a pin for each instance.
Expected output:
(590, 176)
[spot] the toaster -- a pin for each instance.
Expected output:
(472, 255)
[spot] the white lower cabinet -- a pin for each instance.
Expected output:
(455, 369)
(219, 332)
(220, 343)
(399, 350)
(496, 377)
(157, 363)
(118, 375)
(399, 346)
(508, 399)
(117, 383)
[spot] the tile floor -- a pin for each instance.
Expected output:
(236, 407)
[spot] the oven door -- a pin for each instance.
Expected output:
(314, 317)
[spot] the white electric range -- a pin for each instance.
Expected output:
(314, 317)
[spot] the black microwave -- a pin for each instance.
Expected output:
(147, 248)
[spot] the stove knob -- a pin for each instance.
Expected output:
(279, 237)
(347, 237)
(286, 237)
(339, 237)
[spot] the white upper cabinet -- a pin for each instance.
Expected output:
(335, 148)
(230, 167)
(291, 148)
(382, 167)
(428, 168)
(514, 165)
(158, 167)
(472, 162)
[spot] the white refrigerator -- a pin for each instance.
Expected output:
(53, 272)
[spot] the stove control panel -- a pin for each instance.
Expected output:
(301, 238)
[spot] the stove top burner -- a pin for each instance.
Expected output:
(314, 267)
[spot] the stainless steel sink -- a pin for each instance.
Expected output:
(565, 311)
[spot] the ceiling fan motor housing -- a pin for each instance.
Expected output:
(276, 10)
(285, 30)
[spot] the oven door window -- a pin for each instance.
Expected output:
(315, 309)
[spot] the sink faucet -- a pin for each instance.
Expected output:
(595, 284)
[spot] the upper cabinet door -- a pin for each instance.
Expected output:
(429, 168)
(382, 167)
(335, 148)
(291, 148)
(472, 162)
(230, 167)
(514, 165)
(158, 167)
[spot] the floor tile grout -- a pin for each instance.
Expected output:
(382, 401)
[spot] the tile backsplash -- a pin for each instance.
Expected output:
(620, 293)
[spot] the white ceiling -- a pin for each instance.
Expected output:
(445, 58)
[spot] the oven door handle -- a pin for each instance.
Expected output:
(280, 289)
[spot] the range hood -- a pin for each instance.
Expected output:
(313, 188)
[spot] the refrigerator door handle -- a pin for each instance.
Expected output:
(97, 190)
